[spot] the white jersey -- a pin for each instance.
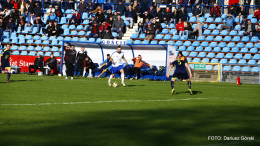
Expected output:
(117, 58)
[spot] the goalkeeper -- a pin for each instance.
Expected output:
(180, 69)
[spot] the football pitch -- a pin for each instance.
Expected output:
(49, 110)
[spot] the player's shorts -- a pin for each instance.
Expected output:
(5, 65)
(184, 74)
(116, 69)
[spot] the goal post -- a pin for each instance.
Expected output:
(210, 72)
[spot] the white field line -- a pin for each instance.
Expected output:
(116, 101)
(234, 142)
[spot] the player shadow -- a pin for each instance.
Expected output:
(19, 81)
(194, 92)
(133, 85)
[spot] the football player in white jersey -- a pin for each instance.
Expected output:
(117, 65)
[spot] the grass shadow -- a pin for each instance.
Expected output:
(194, 92)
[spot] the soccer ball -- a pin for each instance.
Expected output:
(115, 84)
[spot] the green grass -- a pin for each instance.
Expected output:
(68, 112)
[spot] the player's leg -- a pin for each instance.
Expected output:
(8, 74)
(189, 86)
(77, 68)
(172, 85)
(84, 71)
(109, 80)
(103, 71)
(72, 70)
(122, 76)
(68, 70)
(136, 72)
(82, 68)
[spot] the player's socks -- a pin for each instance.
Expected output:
(189, 84)
(8, 76)
(190, 92)
(84, 72)
(172, 84)
(172, 91)
(109, 80)
(90, 73)
(122, 77)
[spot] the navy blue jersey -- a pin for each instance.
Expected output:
(5, 56)
(108, 62)
(179, 65)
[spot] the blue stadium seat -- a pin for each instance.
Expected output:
(255, 69)
(81, 33)
(30, 48)
(178, 43)
(16, 53)
(193, 54)
(223, 61)
(194, 25)
(137, 42)
(51, 38)
(222, 44)
(225, 49)
(162, 42)
(253, 50)
(6, 40)
(64, 26)
(209, 20)
(54, 42)
(247, 56)
(165, 31)
(196, 60)
(227, 38)
(207, 15)
(28, 37)
(170, 43)
(245, 39)
(190, 48)
(240, 45)
(204, 44)
(218, 20)
(192, 19)
(220, 55)
(224, 32)
(231, 45)
(188, 59)
(241, 33)
(229, 55)
(167, 37)
(253, 20)
(153, 42)
(92, 40)
(60, 38)
(233, 50)
(76, 39)
(22, 48)
(227, 68)
(29, 42)
(249, 45)
(237, 27)
(47, 54)
(218, 38)
(215, 32)
(83, 39)
(209, 38)
(38, 42)
(46, 48)
(201, 19)
(142, 36)
(184, 53)
(184, 37)
(24, 53)
(79, 27)
(199, 49)
(32, 53)
(55, 49)
(158, 37)
(145, 42)
(134, 36)
(98, 40)
(214, 60)
(44, 38)
(41, 53)
(209, 67)
(236, 20)
(14, 47)
(258, 62)
(202, 55)
(257, 45)
(232, 61)
(215, 68)
(238, 56)
(172, 31)
(175, 37)
(206, 32)
(208, 49)
(212, 26)
(242, 61)
(244, 50)
(56, 54)
(46, 42)
(236, 39)
(74, 32)
(205, 60)
(85, 22)
(213, 44)
(67, 39)
(187, 43)
(182, 48)
(66, 32)
(254, 39)
(216, 49)
(201, 38)
(38, 48)
(233, 33)
(252, 62)
(21, 41)
(236, 68)
(219, 26)
(163, 25)
(196, 44)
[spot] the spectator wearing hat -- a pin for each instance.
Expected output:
(82, 7)
(10, 26)
(94, 31)
(130, 15)
(229, 23)
(50, 10)
(37, 10)
(107, 35)
(118, 25)
(75, 18)
(145, 16)
(97, 9)
(102, 28)
(120, 8)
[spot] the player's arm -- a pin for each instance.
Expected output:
(111, 60)
(170, 67)
(188, 67)
(133, 59)
(125, 60)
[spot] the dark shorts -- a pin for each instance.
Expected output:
(184, 74)
(5, 65)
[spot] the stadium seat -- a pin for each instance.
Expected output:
(240, 45)
(208, 49)
(201, 55)
(129, 42)
(145, 42)
(46, 48)
(22, 48)
(220, 55)
(206, 32)
(233, 33)
(236, 68)
(165, 31)
(238, 56)
(204, 44)
(245, 39)
(6, 40)
(193, 54)
(171, 25)
(56, 54)
(98, 40)
(162, 42)
(30, 48)
(219, 26)
(227, 68)
(142, 36)
(167, 37)
(153, 42)
(254, 39)
(224, 32)
(182, 48)
(75, 39)
(227, 38)
(36, 37)
(85, 22)
(41, 53)
(249, 45)
(54, 42)
(252, 62)
(242, 61)
(184, 53)
(214, 60)
(223, 61)
(253, 20)
(158, 37)
(187, 43)
(247, 56)
(192, 19)
(21, 41)
(32, 53)
(218, 20)
(163, 25)
(137, 42)
(199, 49)
(196, 44)
(222, 44)
(201, 38)
(64, 26)
(231, 45)
(92, 40)
(134, 36)
(215, 32)
(253, 50)
(209, 20)
(194, 25)
(209, 67)
(244, 50)
(184, 37)
(170, 43)
(175, 37)
(237, 27)
(67, 39)
(225, 49)
(172, 31)
(205, 60)
(207, 15)
(60, 38)
(14, 47)
(51, 38)
(190, 48)
(79, 27)
(38, 48)
(28, 37)
(29, 42)
(236, 39)
(15, 53)
(213, 44)
(81, 33)
(212, 26)
(47, 54)
(188, 59)
(209, 38)
(196, 60)
(216, 49)
(46, 42)
(38, 42)
(218, 38)
(178, 43)
(24, 53)
(66, 32)
(258, 62)
(215, 68)
(201, 19)
(55, 49)
(255, 69)
(234, 50)
(74, 32)
(83, 39)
